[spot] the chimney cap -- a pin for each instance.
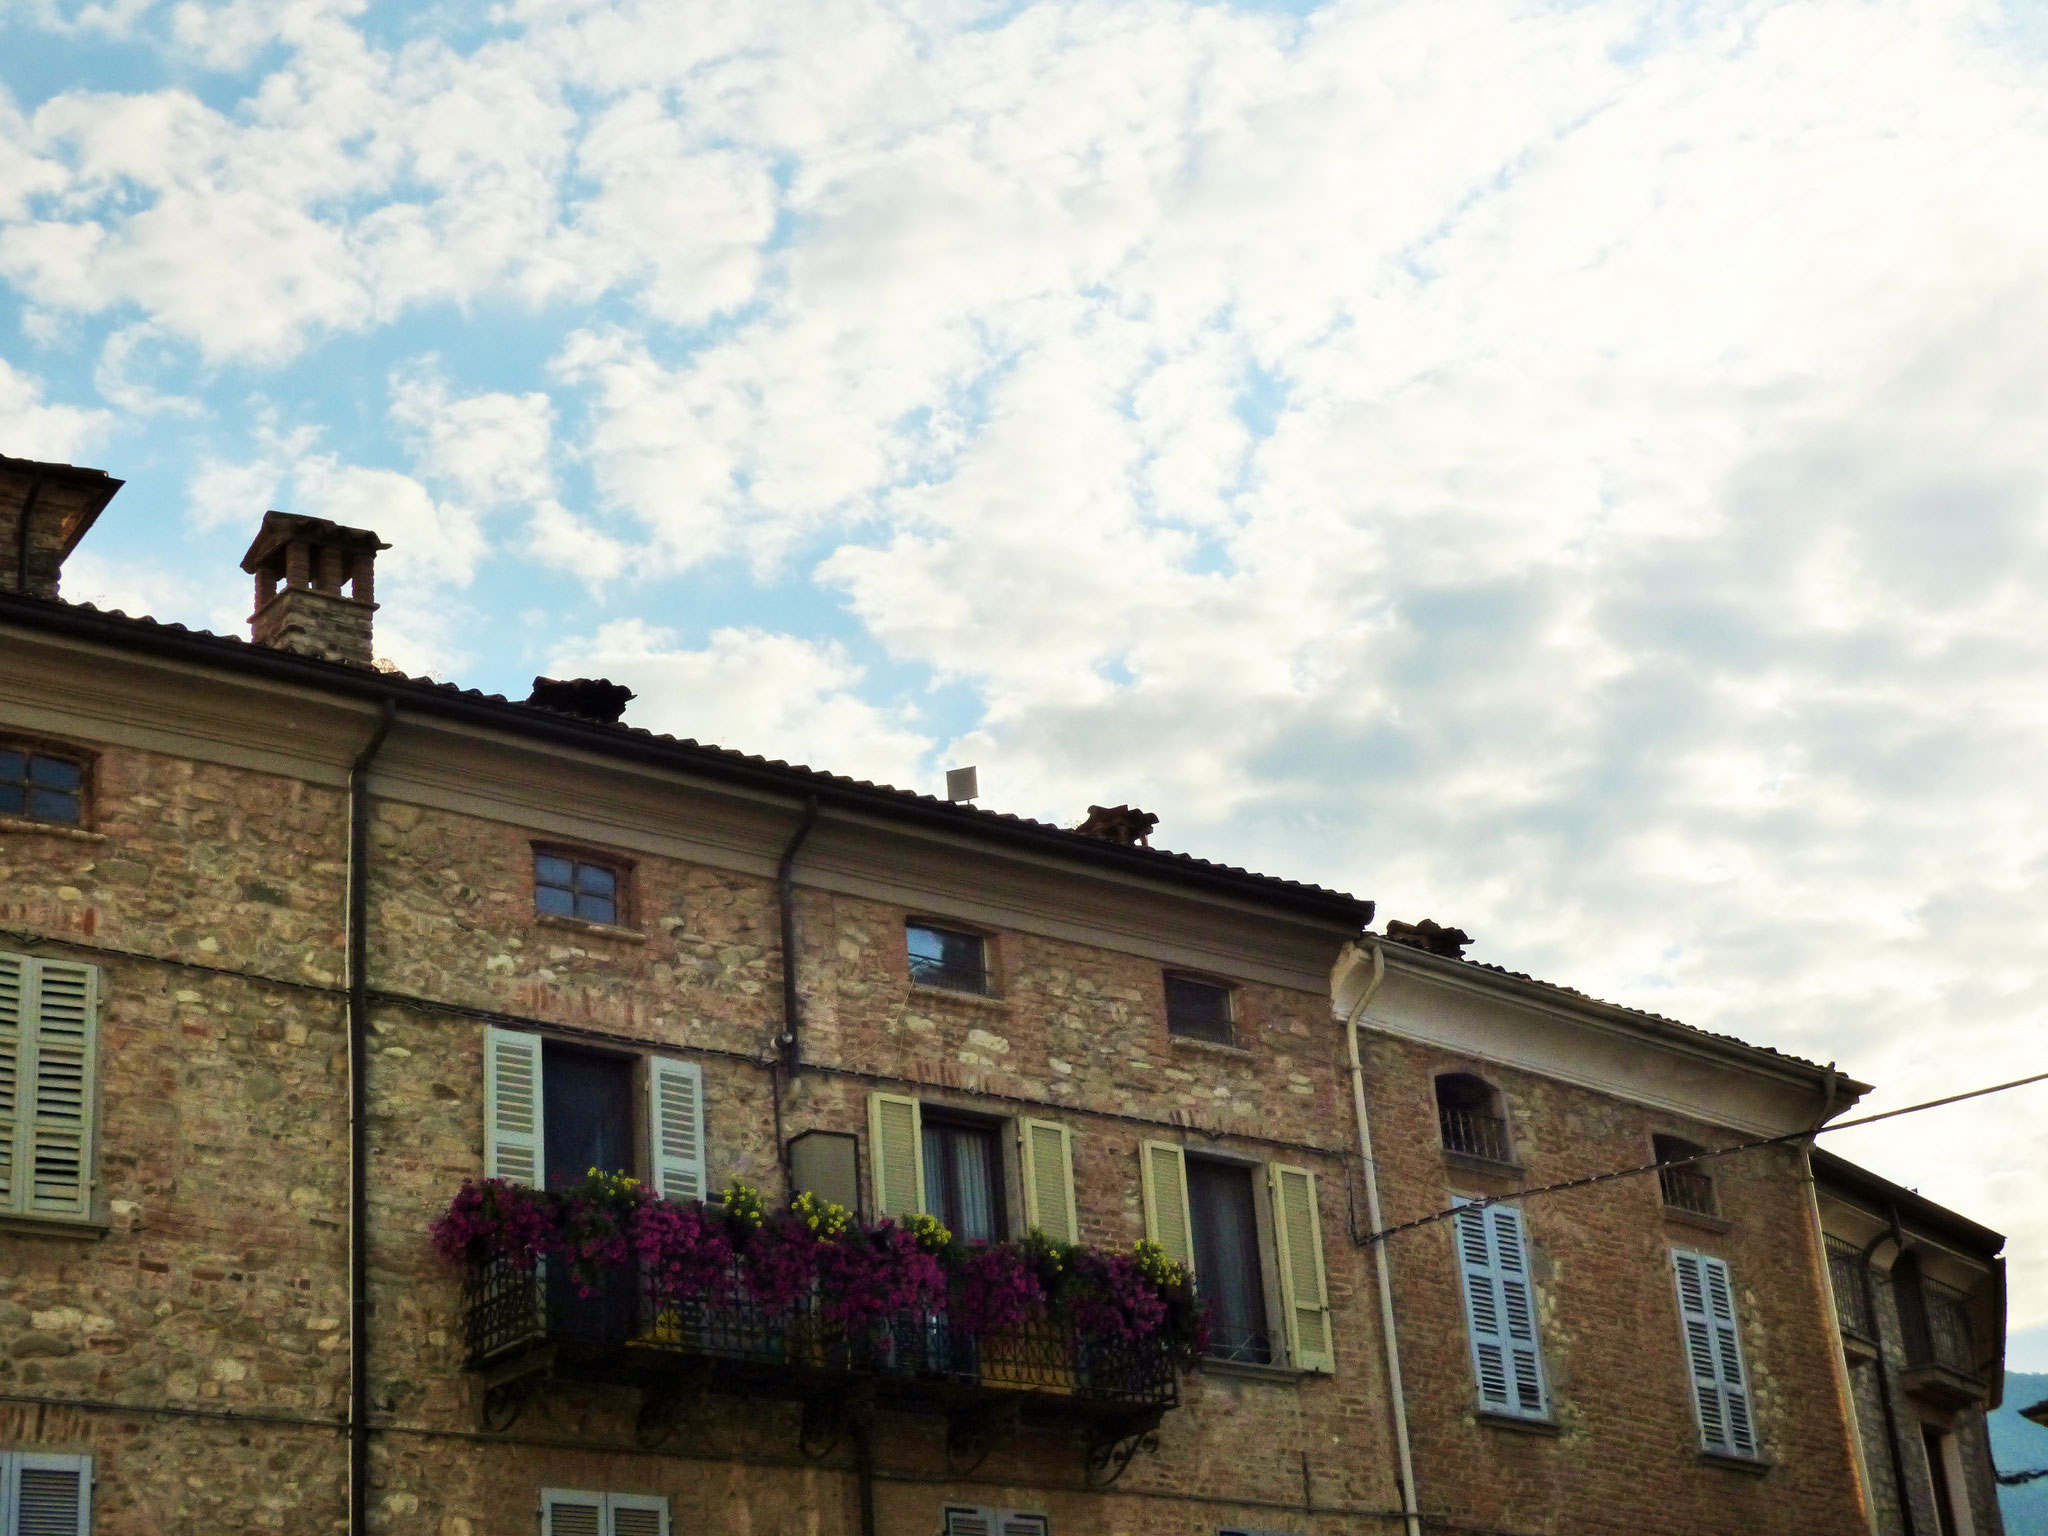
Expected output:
(1123, 824)
(589, 698)
(282, 528)
(1429, 936)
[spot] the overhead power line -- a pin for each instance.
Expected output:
(1698, 1157)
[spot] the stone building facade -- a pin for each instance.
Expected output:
(283, 939)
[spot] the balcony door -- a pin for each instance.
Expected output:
(1224, 1213)
(588, 1118)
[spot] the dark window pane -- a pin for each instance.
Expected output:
(595, 879)
(962, 1180)
(1198, 1009)
(54, 773)
(13, 799)
(596, 909)
(50, 805)
(1227, 1269)
(587, 1106)
(549, 870)
(548, 898)
(944, 957)
(12, 765)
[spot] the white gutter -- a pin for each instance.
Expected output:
(1410, 1505)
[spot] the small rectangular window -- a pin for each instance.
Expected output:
(570, 885)
(1198, 1010)
(566, 1512)
(39, 786)
(45, 1495)
(947, 957)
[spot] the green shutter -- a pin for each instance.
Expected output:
(1298, 1233)
(49, 1049)
(1048, 1148)
(896, 1154)
(1165, 1169)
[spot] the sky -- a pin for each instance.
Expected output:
(1573, 471)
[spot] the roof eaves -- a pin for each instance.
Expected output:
(1915, 1209)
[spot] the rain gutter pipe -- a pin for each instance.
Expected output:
(1410, 1504)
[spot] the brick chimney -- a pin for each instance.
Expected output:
(301, 565)
(45, 509)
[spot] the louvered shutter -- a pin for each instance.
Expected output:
(675, 1119)
(1298, 1232)
(1049, 1179)
(513, 1133)
(1167, 1223)
(637, 1514)
(1500, 1310)
(45, 1495)
(49, 1020)
(13, 985)
(965, 1520)
(566, 1512)
(1713, 1350)
(896, 1153)
(1015, 1522)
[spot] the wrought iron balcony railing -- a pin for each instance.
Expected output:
(521, 1325)
(1852, 1301)
(1935, 1320)
(1474, 1134)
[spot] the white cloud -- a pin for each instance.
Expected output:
(30, 428)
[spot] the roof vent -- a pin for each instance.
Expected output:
(309, 614)
(587, 698)
(1121, 824)
(1431, 937)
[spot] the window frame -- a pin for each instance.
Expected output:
(625, 913)
(83, 759)
(1496, 1102)
(1232, 1014)
(942, 1118)
(1668, 1145)
(14, 1462)
(983, 939)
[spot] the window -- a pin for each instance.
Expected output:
(972, 1520)
(947, 957)
(1713, 1349)
(42, 787)
(552, 1112)
(45, 1495)
(1195, 1209)
(1469, 1116)
(1500, 1311)
(1688, 1187)
(565, 1512)
(571, 885)
(49, 1048)
(1944, 1467)
(1198, 1010)
(963, 1178)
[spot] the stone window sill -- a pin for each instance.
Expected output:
(1471, 1162)
(589, 929)
(50, 829)
(47, 1226)
(1752, 1465)
(1700, 1219)
(1251, 1370)
(1549, 1428)
(956, 995)
(1221, 1048)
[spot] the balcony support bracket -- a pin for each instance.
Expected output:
(1114, 1442)
(665, 1405)
(971, 1433)
(508, 1386)
(828, 1416)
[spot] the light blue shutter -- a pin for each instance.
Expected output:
(45, 1495)
(1500, 1311)
(1713, 1350)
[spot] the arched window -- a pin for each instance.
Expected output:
(1469, 1114)
(1688, 1187)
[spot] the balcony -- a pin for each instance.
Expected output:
(524, 1327)
(1471, 1133)
(1941, 1355)
(1852, 1301)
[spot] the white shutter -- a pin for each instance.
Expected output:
(567, 1512)
(1713, 1351)
(45, 1495)
(1500, 1310)
(965, 1520)
(1049, 1179)
(896, 1154)
(1298, 1232)
(1167, 1222)
(514, 1137)
(48, 1045)
(1015, 1522)
(675, 1120)
(13, 983)
(637, 1514)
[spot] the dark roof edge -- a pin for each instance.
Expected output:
(1915, 1210)
(1350, 913)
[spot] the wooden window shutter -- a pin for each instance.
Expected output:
(45, 1495)
(514, 1137)
(636, 1514)
(1167, 1222)
(1016, 1522)
(675, 1127)
(896, 1154)
(566, 1512)
(49, 1045)
(1713, 1350)
(968, 1520)
(1500, 1310)
(1304, 1288)
(1049, 1179)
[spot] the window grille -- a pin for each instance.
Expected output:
(1469, 1117)
(1198, 1010)
(1852, 1301)
(1688, 1187)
